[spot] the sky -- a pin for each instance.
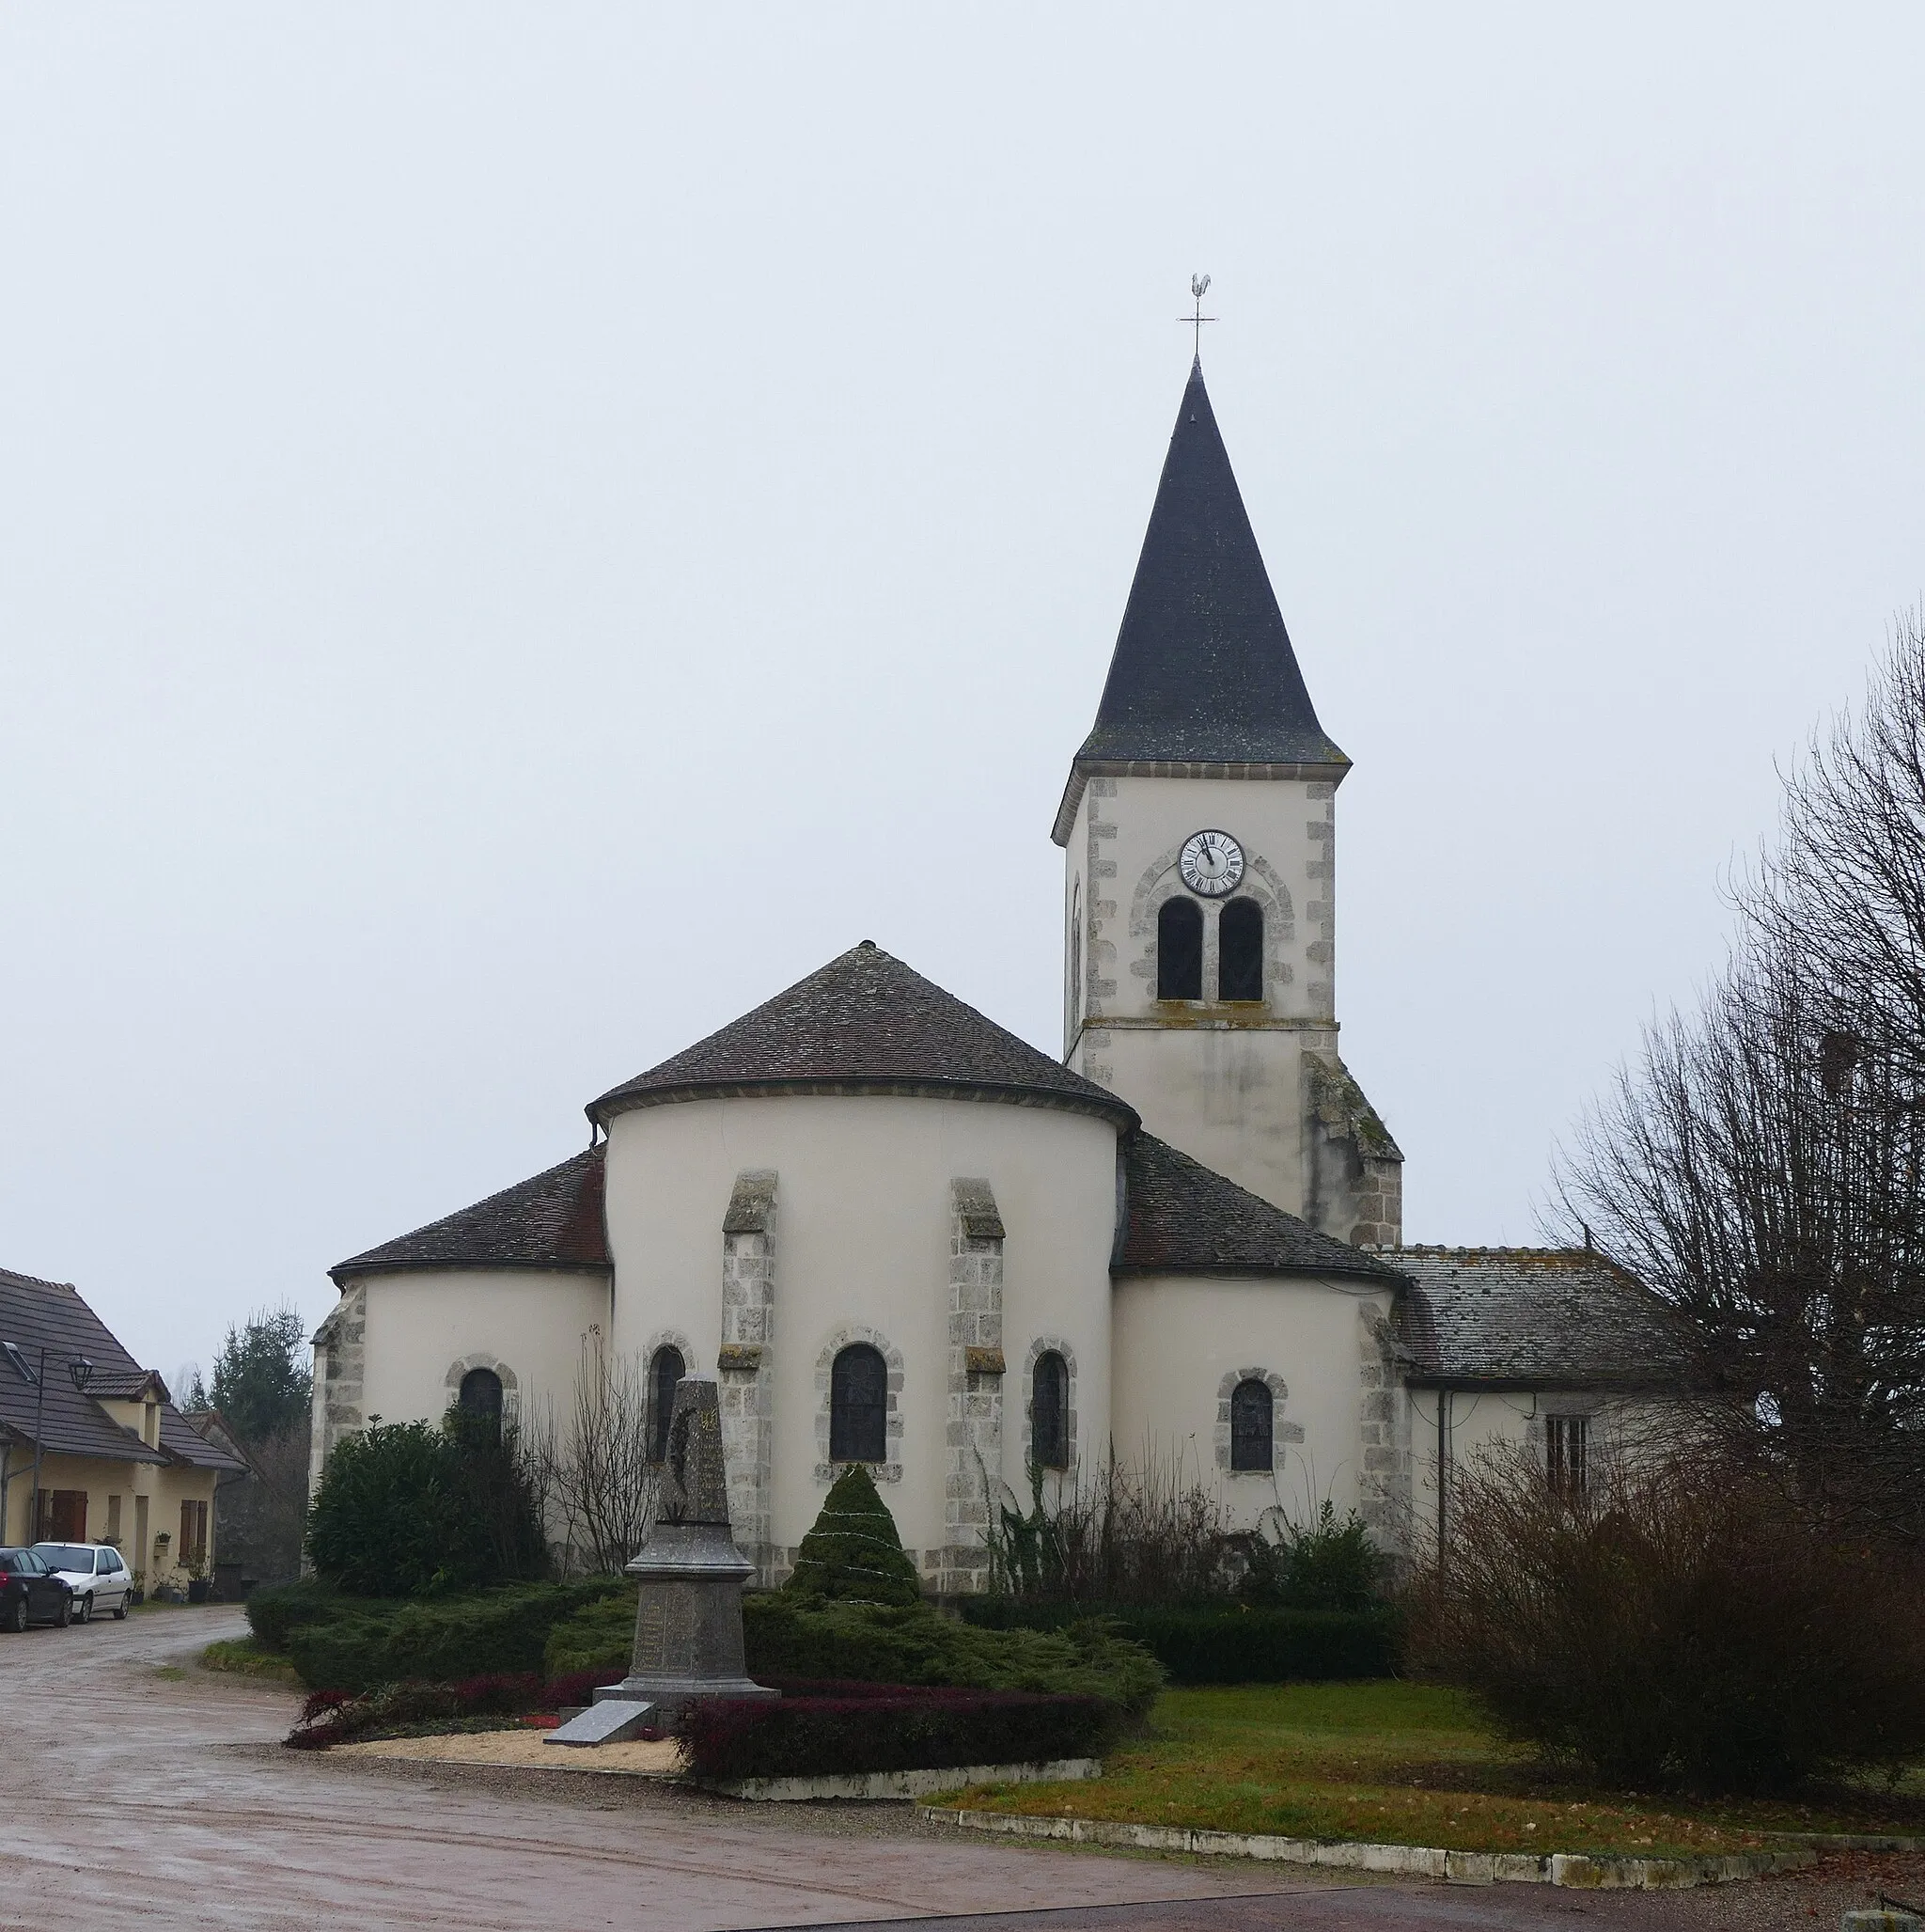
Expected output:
(524, 530)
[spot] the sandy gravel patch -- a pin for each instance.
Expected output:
(522, 1750)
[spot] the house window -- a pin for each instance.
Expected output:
(193, 1533)
(1567, 1452)
(1049, 1411)
(1076, 955)
(665, 1369)
(481, 1394)
(62, 1516)
(1250, 1420)
(1240, 950)
(859, 1405)
(1180, 950)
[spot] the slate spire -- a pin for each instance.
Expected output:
(1203, 671)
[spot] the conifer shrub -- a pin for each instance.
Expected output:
(356, 1643)
(889, 1728)
(854, 1554)
(786, 1637)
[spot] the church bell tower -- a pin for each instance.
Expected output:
(1198, 826)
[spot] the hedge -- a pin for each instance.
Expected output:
(889, 1728)
(336, 1717)
(1230, 1644)
(787, 1637)
(354, 1643)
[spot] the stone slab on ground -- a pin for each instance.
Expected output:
(1580, 1870)
(613, 1721)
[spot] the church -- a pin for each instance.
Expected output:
(897, 1235)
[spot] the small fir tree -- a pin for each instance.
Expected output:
(854, 1554)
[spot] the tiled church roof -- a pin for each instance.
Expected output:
(1183, 1218)
(1533, 1317)
(1203, 671)
(865, 1024)
(551, 1222)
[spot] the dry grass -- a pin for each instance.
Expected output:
(1405, 1763)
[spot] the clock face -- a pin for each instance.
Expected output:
(1211, 863)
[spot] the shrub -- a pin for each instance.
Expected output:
(890, 1729)
(336, 1716)
(786, 1637)
(598, 1635)
(853, 1553)
(362, 1642)
(1677, 1622)
(273, 1613)
(1328, 1564)
(1225, 1643)
(405, 1509)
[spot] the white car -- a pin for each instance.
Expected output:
(96, 1571)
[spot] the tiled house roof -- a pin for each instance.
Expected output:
(865, 1024)
(50, 1314)
(1183, 1218)
(1533, 1317)
(551, 1222)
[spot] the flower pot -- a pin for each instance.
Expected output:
(198, 1588)
(135, 1598)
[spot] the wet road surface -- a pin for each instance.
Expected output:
(143, 1791)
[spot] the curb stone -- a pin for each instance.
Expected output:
(1575, 1869)
(884, 1785)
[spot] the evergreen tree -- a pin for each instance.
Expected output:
(262, 1377)
(853, 1553)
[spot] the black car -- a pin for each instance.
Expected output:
(30, 1593)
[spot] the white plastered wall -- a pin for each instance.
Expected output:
(1483, 1419)
(1223, 1083)
(532, 1322)
(862, 1250)
(1179, 1337)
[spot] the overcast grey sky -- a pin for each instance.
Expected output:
(524, 530)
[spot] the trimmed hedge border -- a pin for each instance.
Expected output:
(824, 1729)
(1230, 1644)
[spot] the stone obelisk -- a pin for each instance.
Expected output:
(688, 1623)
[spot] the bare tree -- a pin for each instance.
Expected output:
(600, 1478)
(1761, 1163)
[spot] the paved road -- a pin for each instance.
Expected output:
(143, 1794)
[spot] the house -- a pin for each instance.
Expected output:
(91, 1449)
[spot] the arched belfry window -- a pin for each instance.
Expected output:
(859, 1405)
(1250, 1426)
(481, 1394)
(1180, 950)
(665, 1369)
(1076, 955)
(1049, 1411)
(1240, 950)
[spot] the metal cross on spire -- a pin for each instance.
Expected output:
(1198, 287)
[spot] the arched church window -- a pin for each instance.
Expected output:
(1180, 950)
(1240, 950)
(859, 1405)
(665, 1369)
(1049, 1411)
(481, 1394)
(1250, 1426)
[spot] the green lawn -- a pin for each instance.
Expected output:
(1405, 1763)
(245, 1657)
